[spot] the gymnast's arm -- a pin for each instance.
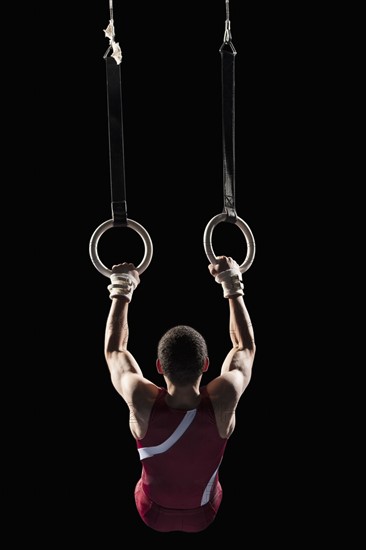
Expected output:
(126, 375)
(236, 369)
(241, 357)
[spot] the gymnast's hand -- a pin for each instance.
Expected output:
(226, 272)
(223, 264)
(124, 279)
(127, 268)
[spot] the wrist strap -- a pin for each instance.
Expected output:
(123, 284)
(231, 282)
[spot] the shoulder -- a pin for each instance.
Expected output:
(225, 392)
(136, 390)
(143, 392)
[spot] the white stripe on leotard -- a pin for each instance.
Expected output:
(147, 452)
(207, 492)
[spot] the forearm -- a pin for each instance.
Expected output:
(241, 356)
(240, 325)
(117, 331)
(119, 359)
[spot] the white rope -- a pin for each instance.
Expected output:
(110, 34)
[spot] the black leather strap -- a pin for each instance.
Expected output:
(116, 143)
(228, 53)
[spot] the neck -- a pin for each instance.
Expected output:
(183, 397)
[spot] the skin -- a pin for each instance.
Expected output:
(140, 393)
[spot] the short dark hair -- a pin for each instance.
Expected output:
(182, 351)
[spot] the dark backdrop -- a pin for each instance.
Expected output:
(171, 84)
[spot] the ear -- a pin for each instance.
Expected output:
(159, 367)
(206, 364)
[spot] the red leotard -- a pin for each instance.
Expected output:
(179, 489)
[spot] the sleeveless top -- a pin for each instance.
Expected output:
(181, 454)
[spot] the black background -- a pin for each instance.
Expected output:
(171, 84)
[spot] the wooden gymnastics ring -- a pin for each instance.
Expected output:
(93, 245)
(207, 240)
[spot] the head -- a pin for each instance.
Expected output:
(182, 355)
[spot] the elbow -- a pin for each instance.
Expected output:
(245, 354)
(249, 347)
(252, 350)
(114, 345)
(110, 352)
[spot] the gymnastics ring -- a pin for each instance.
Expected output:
(207, 240)
(93, 246)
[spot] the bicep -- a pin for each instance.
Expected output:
(228, 387)
(235, 376)
(127, 378)
(124, 371)
(239, 360)
(121, 362)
